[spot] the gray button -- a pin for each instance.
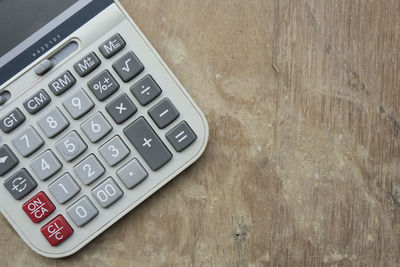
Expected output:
(181, 136)
(62, 83)
(64, 188)
(128, 66)
(8, 160)
(78, 104)
(87, 64)
(43, 67)
(103, 85)
(20, 184)
(107, 193)
(112, 46)
(71, 146)
(114, 151)
(28, 142)
(132, 174)
(37, 102)
(89, 170)
(82, 211)
(96, 127)
(46, 165)
(148, 144)
(12, 120)
(146, 90)
(164, 113)
(53, 123)
(121, 109)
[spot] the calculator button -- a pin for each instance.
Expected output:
(146, 90)
(71, 146)
(148, 144)
(62, 83)
(28, 142)
(64, 188)
(114, 151)
(46, 165)
(53, 123)
(107, 193)
(181, 136)
(57, 231)
(103, 85)
(8, 160)
(82, 211)
(96, 127)
(20, 184)
(132, 174)
(37, 102)
(38, 207)
(128, 66)
(164, 113)
(12, 120)
(121, 109)
(78, 104)
(112, 46)
(87, 64)
(89, 170)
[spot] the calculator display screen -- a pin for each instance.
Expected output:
(30, 28)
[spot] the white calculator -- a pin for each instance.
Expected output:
(92, 121)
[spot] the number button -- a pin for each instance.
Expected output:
(38, 207)
(89, 170)
(107, 193)
(71, 146)
(82, 211)
(20, 184)
(46, 165)
(96, 127)
(57, 231)
(64, 188)
(28, 142)
(54, 123)
(78, 104)
(114, 151)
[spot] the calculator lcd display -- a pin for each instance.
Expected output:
(30, 28)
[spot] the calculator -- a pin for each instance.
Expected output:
(92, 121)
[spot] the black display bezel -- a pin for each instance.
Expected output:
(53, 38)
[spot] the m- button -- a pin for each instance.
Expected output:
(112, 46)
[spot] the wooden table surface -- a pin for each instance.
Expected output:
(302, 167)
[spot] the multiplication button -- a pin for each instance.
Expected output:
(121, 108)
(8, 160)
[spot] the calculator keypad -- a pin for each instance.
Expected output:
(128, 66)
(46, 165)
(28, 142)
(78, 104)
(38, 207)
(53, 123)
(71, 146)
(8, 160)
(107, 193)
(64, 188)
(96, 127)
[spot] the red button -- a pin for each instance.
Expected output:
(38, 207)
(57, 230)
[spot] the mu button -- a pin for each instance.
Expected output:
(38, 207)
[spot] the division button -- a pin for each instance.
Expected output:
(46, 165)
(132, 174)
(28, 142)
(103, 85)
(87, 64)
(148, 144)
(20, 184)
(128, 66)
(82, 211)
(37, 102)
(38, 207)
(164, 113)
(121, 109)
(112, 46)
(62, 83)
(12, 120)
(57, 231)
(8, 160)
(181, 136)
(146, 90)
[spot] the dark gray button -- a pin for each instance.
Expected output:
(62, 83)
(112, 46)
(87, 64)
(12, 120)
(132, 174)
(146, 90)
(181, 136)
(103, 86)
(20, 184)
(37, 102)
(8, 160)
(43, 67)
(148, 144)
(128, 66)
(82, 211)
(164, 113)
(121, 109)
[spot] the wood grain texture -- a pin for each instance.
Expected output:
(302, 167)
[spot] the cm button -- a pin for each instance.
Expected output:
(37, 102)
